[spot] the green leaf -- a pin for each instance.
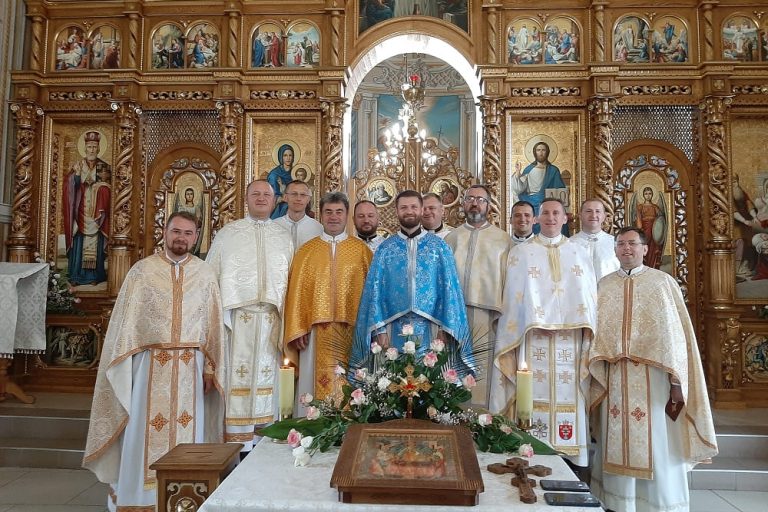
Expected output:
(280, 429)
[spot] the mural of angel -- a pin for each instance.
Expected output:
(194, 205)
(651, 217)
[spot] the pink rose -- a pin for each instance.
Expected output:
(339, 370)
(430, 359)
(451, 375)
(313, 412)
(506, 429)
(305, 399)
(358, 397)
(391, 353)
(361, 374)
(525, 450)
(484, 420)
(294, 438)
(469, 381)
(437, 345)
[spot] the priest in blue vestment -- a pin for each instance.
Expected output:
(412, 280)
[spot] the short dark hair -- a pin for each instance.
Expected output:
(431, 195)
(334, 197)
(295, 182)
(409, 193)
(183, 215)
(364, 201)
(632, 229)
(591, 200)
(480, 186)
(522, 203)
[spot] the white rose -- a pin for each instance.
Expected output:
(384, 383)
(391, 353)
(437, 345)
(483, 420)
(409, 347)
(375, 348)
(306, 442)
(407, 330)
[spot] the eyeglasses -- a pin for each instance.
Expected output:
(475, 199)
(630, 244)
(296, 194)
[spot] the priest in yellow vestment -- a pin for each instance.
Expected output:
(654, 422)
(164, 345)
(480, 250)
(547, 323)
(324, 288)
(251, 258)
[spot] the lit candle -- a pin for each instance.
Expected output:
(286, 384)
(524, 393)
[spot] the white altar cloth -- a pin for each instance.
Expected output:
(267, 480)
(23, 293)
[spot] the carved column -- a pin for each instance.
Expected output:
(121, 239)
(336, 13)
(37, 55)
(332, 118)
(230, 115)
(709, 29)
(598, 34)
(21, 243)
(133, 39)
(492, 29)
(492, 110)
(717, 200)
(601, 109)
(233, 33)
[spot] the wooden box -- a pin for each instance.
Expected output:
(413, 462)
(189, 473)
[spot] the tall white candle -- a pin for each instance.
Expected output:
(524, 405)
(286, 389)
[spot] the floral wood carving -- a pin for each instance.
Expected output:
(26, 115)
(602, 117)
(714, 110)
(655, 90)
(79, 95)
(283, 94)
(750, 89)
(180, 95)
(546, 91)
(490, 107)
(230, 114)
(332, 117)
(730, 348)
(127, 115)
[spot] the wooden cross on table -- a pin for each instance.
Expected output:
(409, 387)
(521, 471)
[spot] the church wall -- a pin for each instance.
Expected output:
(686, 83)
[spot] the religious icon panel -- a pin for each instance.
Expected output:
(303, 45)
(630, 40)
(267, 46)
(740, 39)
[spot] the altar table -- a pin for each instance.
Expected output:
(267, 480)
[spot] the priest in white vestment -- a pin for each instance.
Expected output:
(302, 227)
(547, 322)
(522, 220)
(164, 349)
(480, 250)
(432, 219)
(366, 219)
(648, 390)
(599, 243)
(251, 258)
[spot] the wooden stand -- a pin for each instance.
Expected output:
(7, 386)
(189, 473)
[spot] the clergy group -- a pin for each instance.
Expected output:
(193, 348)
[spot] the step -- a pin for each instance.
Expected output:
(41, 453)
(743, 442)
(44, 424)
(731, 474)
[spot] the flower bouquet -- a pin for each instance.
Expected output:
(401, 384)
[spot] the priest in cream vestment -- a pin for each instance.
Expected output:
(164, 345)
(598, 242)
(645, 362)
(480, 250)
(324, 288)
(547, 322)
(251, 258)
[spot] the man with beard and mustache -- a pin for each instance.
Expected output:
(412, 281)
(251, 258)
(480, 250)
(162, 370)
(366, 218)
(531, 183)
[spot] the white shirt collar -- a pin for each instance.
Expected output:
(522, 238)
(551, 241)
(333, 239)
(257, 221)
(633, 271)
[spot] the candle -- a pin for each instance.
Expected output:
(286, 384)
(524, 393)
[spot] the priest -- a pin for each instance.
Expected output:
(250, 258)
(412, 281)
(648, 388)
(302, 227)
(164, 349)
(598, 242)
(324, 288)
(547, 323)
(480, 250)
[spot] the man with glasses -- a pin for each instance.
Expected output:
(648, 387)
(251, 257)
(598, 242)
(412, 281)
(522, 219)
(432, 219)
(546, 326)
(480, 250)
(301, 226)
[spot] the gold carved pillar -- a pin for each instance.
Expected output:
(709, 29)
(21, 242)
(36, 54)
(230, 117)
(492, 30)
(134, 36)
(332, 107)
(598, 30)
(718, 237)
(233, 33)
(492, 107)
(336, 13)
(121, 242)
(601, 110)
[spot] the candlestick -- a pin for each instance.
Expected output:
(286, 389)
(524, 406)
